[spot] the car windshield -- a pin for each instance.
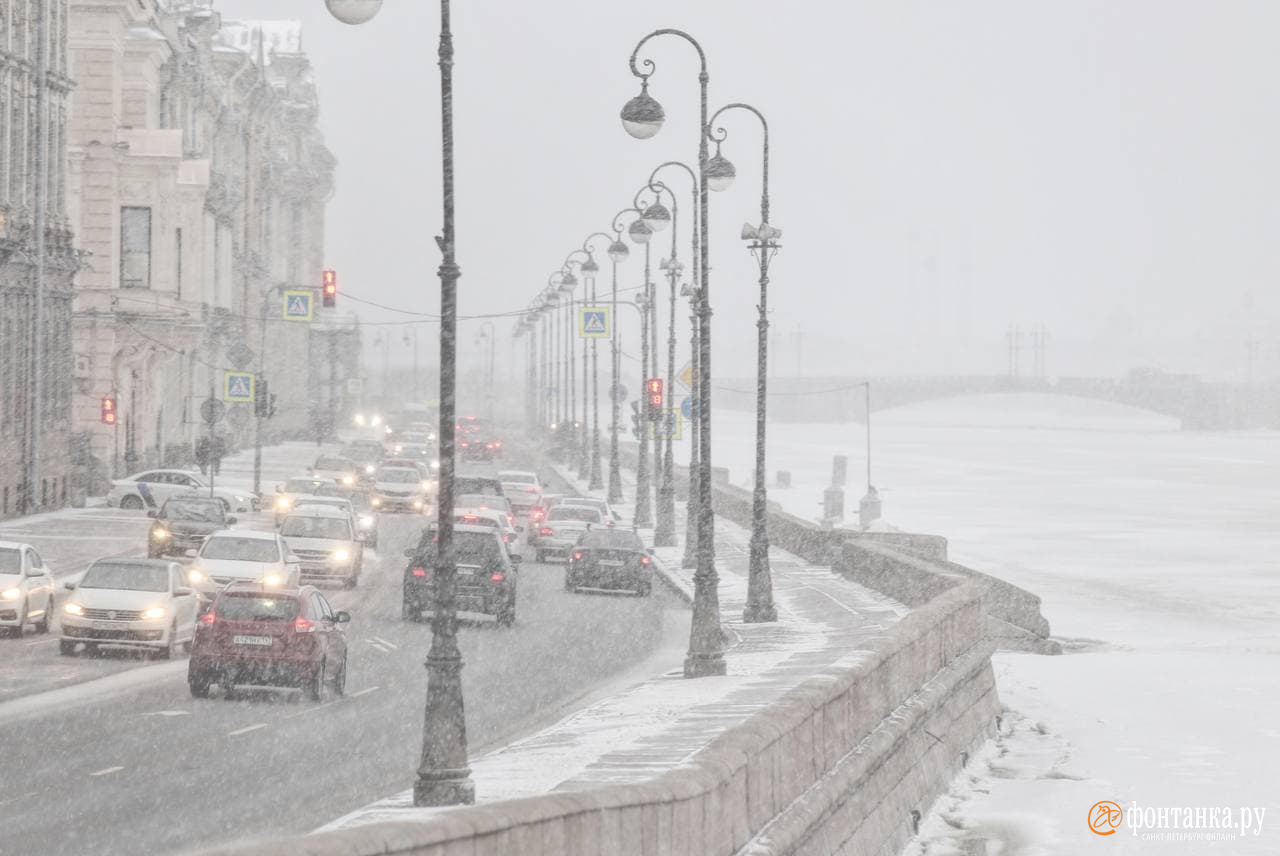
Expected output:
(191, 510)
(256, 607)
(518, 478)
(475, 520)
(338, 464)
(301, 526)
(127, 577)
(405, 476)
(472, 484)
(241, 549)
(574, 512)
(370, 452)
(303, 485)
(410, 439)
(612, 539)
(474, 548)
(585, 501)
(478, 500)
(10, 561)
(335, 490)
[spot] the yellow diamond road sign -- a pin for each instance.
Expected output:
(686, 376)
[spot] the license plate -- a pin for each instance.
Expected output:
(105, 625)
(610, 564)
(251, 640)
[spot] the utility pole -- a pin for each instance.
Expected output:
(333, 382)
(38, 336)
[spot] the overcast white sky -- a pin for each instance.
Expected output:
(940, 170)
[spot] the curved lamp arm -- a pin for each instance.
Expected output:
(719, 135)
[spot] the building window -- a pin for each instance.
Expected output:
(135, 247)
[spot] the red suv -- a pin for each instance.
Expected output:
(282, 637)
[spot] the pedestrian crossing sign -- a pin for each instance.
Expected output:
(671, 424)
(237, 387)
(594, 322)
(298, 305)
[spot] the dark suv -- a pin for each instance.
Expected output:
(183, 523)
(486, 581)
(281, 637)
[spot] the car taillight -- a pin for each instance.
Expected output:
(645, 561)
(546, 530)
(469, 518)
(209, 618)
(419, 572)
(465, 444)
(533, 489)
(497, 577)
(497, 443)
(303, 625)
(577, 555)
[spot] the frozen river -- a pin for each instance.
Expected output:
(1157, 555)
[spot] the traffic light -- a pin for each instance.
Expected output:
(330, 290)
(653, 393)
(635, 419)
(108, 413)
(261, 398)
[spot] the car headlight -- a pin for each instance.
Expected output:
(340, 555)
(72, 608)
(10, 594)
(376, 502)
(367, 522)
(272, 580)
(154, 612)
(348, 480)
(435, 465)
(282, 503)
(195, 576)
(370, 469)
(160, 533)
(417, 503)
(399, 449)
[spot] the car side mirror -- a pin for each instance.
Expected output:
(151, 513)
(69, 586)
(231, 521)
(342, 617)
(183, 591)
(516, 559)
(190, 554)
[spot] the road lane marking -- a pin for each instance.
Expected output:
(166, 713)
(364, 691)
(391, 645)
(44, 641)
(378, 647)
(246, 729)
(107, 771)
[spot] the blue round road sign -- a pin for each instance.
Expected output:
(686, 407)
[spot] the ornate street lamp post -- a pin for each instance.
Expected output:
(642, 117)
(690, 559)
(640, 232)
(618, 252)
(589, 271)
(763, 244)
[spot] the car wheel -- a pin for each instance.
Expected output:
(410, 612)
(199, 683)
(539, 556)
(226, 506)
(340, 680)
(568, 584)
(16, 630)
(315, 686)
(166, 653)
(644, 590)
(507, 615)
(131, 502)
(42, 626)
(66, 647)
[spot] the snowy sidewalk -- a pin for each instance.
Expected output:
(658, 724)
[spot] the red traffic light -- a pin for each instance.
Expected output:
(108, 412)
(653, 387)
(330, 289)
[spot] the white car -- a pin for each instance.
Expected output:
(489, 517)
(140, 603)
(399, 489)
(150, 489)
(340, 470)
(233, 555)
(562, 529)
(26, 589)
(287, 492)
(592, 502)
(324, 540)
(521, 487)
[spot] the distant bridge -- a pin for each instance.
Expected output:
(1198, 404)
